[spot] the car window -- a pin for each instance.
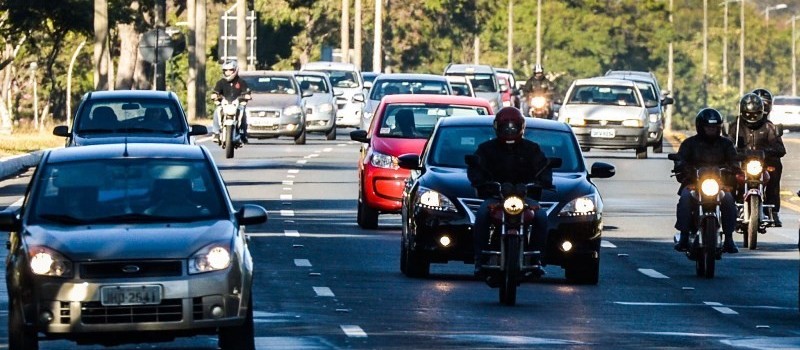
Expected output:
(270, 85)
(422, 87)
(342, 79)
(481, 82)
(159, 116)
(604, 95)
(649, 95)
(312, 83)
(786, 101)
(127, 190)
(417, 121)
(452, 143)
(460, 89)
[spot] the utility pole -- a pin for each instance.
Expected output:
(539, 32)
(510, 64)
(357, 36)
(741, 50)
(100, 58)
(191, 79)
(345, 32)
(377, 48)
(476, 59)
(794, 57)
(200, 58)
(725, 48)
(668, 121)
(705, 53)
(241, 34)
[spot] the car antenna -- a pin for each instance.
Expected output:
(125, 153)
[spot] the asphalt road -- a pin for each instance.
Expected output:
(324, 283)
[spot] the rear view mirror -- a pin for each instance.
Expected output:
(358, 98)
(667, 101)
(307, 93)
(130, 106)
(197, 130)
(673, 157)
(359, 135)
(409, 161)
(338, 93)
(602, 170)
(61, 130)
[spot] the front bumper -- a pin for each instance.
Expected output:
(317, 121)
(623, 137)
(349, 116)
(274, 125)
(383, 188)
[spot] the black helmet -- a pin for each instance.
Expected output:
(707, 117)
(751, 109)
(509, 125)
(766, 96)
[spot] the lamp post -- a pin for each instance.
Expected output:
(539, 32)
(794, 57)
(775, 7)
(725, 45)
(32, 69)
(741, 49)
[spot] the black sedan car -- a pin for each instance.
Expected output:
(129, 116)
(129, 243)
(439, 204)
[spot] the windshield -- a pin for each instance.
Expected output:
(130, 115)
(452, 143)
(460, 89)
(342, 79)
(481, 82)
(271, 85)
(312, 83)
(126, 190)
(394, 87)
(788, 101)
(417, 121)
(604, 95)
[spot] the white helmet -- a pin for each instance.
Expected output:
(538, 69)
(228, 66)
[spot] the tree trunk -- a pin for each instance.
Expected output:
(200, 52)
(191, 79)
(129, 54)
(100, 44)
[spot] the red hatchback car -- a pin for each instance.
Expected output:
(401, 124)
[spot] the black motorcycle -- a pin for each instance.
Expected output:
(752, 219)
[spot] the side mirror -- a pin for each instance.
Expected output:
(503, 88)
(8, 220)
(251, 214)
(307, 93)
(667, 101)
(338, 93)
(555, 162)
(197, 130)
(359, 135)
(409, 161)
(673, 157)
(61, 130)
(602, 170)
(358, 98)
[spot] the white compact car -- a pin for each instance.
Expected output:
(786, 112)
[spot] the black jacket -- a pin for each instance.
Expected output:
(763, 136)
(521, 163)
(697, 151)
(538, 86)
(231, 90)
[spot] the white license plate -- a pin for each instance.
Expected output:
(606, 133)
(261, 121)
(130, 295)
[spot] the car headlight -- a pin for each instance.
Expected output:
(47, 262)
(634, 123)
(325, 108)
(430, 199)
(577, 121)
(494, 105)
(292, 110)
(710, 187)
(538, 102)
(385, 161)
(754, 167)
(513, 205)
(213, 257)
(654, 118)
(580, 206)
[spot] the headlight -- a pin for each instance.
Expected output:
(291, 110)
(325, 108)
(493, 103)
(538, 102)
(211, 258)
(47, 262)
(710, 187)
(513, 205)
(385, 161)
(229, 109)
(430, 199)
(635, 123)
(579, 207)
(654, 118)
(577, 121)
(754, 167)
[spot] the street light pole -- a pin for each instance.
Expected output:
(776, 7)
(794, 58)
(705, 53)
(725, 48)
(741, 49)
(668, 119)
(510, 65)
(377, 48)
(539, 32)
(33, 67)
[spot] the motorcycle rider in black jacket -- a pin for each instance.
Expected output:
(752, 130)
(230, 87)
(707, 148)
(508, 158)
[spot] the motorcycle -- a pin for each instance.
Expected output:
(230, 136)
(705, 236)
(539, 106)
(752, 219)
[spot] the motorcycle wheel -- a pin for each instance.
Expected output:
(300, 139)
(751, 235)
(641, 152)
(659, 146)
(366, 217)
(331, 135)
(709, 254)
(229, 146)
(508, 287)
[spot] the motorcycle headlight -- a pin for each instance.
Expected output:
(385, 161)
(292, 110)
(579, 207)
(634, 123)
(538, 102)
(213, 257)
(577, 121)
(513, 205)
(754, 167)
(325, 108)
(229, 109)
(710, 187)
(47, 262)
(430, 199)
(653, 118)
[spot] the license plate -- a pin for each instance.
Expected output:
(130, 295)
(606, 133)
(262, 121)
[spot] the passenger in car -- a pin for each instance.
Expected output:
(157, 119)
(172, 198)
(404, 123)
(103, 118)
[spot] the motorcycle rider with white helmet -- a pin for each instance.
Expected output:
(229, 87)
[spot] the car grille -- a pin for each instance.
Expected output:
(265, 114)
(197, 308)
(163, 268)
(473, 204)
(603, 122)
(170, 310)
(263, 128)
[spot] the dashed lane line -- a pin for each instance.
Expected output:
(287, 182)
(327, 149)
(323, 292)
(293, 171)
(302, 263)
(607, 244)
(653, 273)
(353, 331)
(287, 212)
(286, 197)
(722, 309)
(302, 161)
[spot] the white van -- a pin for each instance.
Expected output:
(347, 80)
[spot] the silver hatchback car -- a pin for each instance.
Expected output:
(321, 105)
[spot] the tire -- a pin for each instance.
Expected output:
(300, 139)
(417, 265)
(239, 337)
(709, 254)
(366, 217)
(508, 287)
(659, 146)
(585, 149)
(331, 135)
(588, 273)
(751, 235)
(20, 337)
(229, 146)
(641, 152)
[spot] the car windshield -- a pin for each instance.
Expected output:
(313, 84)
(393, 87)
(604, 95)
(481, 82)
(270, 85)
(417, 121)
(649, 95)
(343, 79)
(130, 190)
(460, 89)
(130, 116)
(452, 143)
(787, 101)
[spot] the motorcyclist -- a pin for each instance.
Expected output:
(538, 85)
(706, 148)
(230, 87)
(752, 130)
(508, 158)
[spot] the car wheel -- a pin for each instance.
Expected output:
(20, 336)
(584, 272)
(300, 139)
(585, 149)
(239, 337)
(641, 152)
(367, 217)
(331, 134)
(417, 264)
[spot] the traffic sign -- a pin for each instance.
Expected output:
(156, 46)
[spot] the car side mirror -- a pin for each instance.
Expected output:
(9, 220)
(409, 161)
(555, 162)
(338, 93)
(61, 130)
(359, 135)
(602, 170)
(667, 101)
(307, 93)
(251, 214)
(358, 97)
(503, 88)
(197, 130)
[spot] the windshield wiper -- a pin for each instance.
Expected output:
(148, 130)
(97, 131)
(141, 217)
(64, 219)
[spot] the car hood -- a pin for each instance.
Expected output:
(273, 101)
(130, 241)
(607, 112)
(101, 139)
(397, 146)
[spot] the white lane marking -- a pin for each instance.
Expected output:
(290, 176)
(16, 205)
(291, 233)
(607, 244)
(317, 152)
(323, 292)
(646, 303)
(286, 197)
(684, 334)
(287, 182)
(341, 145)
(287, 188)
(652, 273)
(718, 306)
(293, 171)
(287, 212)
(302, 263)
(353, 331)
(327, 149)
(302, 161)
